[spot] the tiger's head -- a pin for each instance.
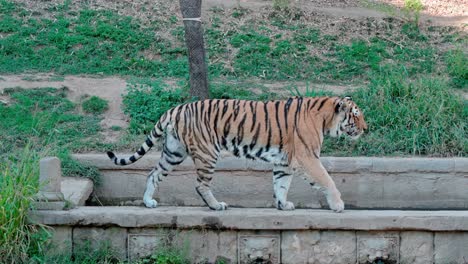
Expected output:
(348, 119)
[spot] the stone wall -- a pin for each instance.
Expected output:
(249, 235)
(266, 235)
(365, 182)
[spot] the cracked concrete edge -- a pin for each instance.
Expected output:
(332, 164)
(255, 219)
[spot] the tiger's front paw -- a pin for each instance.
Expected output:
(287, 206)
(337, 205)
(221, 206)
(151, 203)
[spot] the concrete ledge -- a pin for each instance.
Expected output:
(255, 219)
(332, 164)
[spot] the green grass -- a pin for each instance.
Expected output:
(19, 177)
(457, 65)
(408, 117)
(46, 120)
(282, 48)
(94, 105)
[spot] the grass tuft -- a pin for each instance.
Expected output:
(95, 105)
(19, 181)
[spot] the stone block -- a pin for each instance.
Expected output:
(143, 245)
(76, 190)
(461, 165)
(259, 247)
(60, 242)
(208, 246)
(89, 238)
(451, 248)
(50, 174)
(416, 247)
(318, 247)
(378, 246)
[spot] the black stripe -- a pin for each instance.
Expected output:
(227, 127)
(259, 152)
(225, 107)
(255, 138)
(337, 107)
(286, 110)
(315, 102)
(236, 149)
(174, 162)
(122, 162)
(132, 158)
(322, 103)
(162, 167)
(236, 109)
(278, 124)
(245, 150)
(298, 109)
(241, 130)
(141, 151)
(269, 137)
(149, 142)
(266, 114)
(177, 118)
(254, 117)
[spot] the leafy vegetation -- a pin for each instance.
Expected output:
(282, 48)
(95, 105)
(46, 120)
(408, 117)
(457, 64)
(19, 177)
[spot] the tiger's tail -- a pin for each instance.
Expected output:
(152, 138)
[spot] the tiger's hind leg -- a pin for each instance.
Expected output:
(282, 176)
(205, 168)
(173, 154)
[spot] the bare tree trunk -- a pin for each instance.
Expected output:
(191, 12)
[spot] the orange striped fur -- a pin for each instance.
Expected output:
(287, 133)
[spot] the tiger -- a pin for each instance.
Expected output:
(287, 133)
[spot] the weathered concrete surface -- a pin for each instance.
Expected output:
(61, 241)
(76, 190)
(49, 196)
(416, 247)
(318, 247)
(391, 183)
(451, 248)
(259, 247)
(256, 218)
(208, 246)
(377, 246)
(94, 238)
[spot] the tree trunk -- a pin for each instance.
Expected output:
(191, 12)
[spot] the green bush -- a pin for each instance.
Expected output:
(95, 105)
(147, 100)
